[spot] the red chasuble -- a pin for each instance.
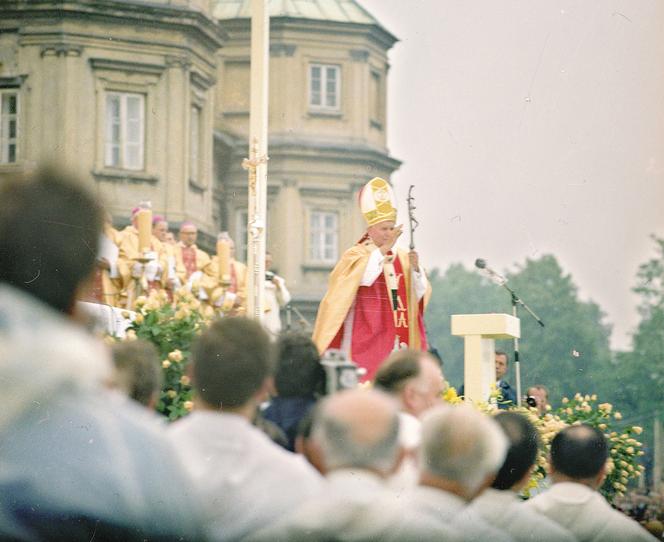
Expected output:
(97, 293)
(376, 325)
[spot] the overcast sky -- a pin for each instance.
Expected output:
(531, 127)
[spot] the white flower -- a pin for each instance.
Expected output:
(175, 356)
(606, 407)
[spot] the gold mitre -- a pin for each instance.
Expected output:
(377, 202)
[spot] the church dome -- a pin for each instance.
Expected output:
(343, 11)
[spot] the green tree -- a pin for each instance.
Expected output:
(458, 291)
(569, 355)
(638, 376)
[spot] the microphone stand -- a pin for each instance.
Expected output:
(516, 301)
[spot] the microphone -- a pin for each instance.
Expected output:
(493, 275)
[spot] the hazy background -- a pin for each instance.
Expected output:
(532, 127)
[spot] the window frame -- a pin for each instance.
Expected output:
(124, 143)
(324, 105)
(5, 119)
(318, 245)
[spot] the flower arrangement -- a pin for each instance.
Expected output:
(624, 448)
(171, 327)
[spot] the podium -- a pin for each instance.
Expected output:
(479, 332)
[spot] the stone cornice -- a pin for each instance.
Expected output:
(373, 32)
(334, 151)
(318, 150)
(359, 55)
(202, 81)
(124, 66)
(60, 49)
(282, 49)
(165, 16)
(341, 193)
(178, 61)
(124, 176)
(15, 81)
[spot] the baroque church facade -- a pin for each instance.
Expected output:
(150, 101)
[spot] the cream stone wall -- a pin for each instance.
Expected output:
(69, 59)
(63, 62)
(318, 159)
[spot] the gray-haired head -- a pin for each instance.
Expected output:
(461, 445)
(358, 429)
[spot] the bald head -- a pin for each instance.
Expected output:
(462, 446)
(579, 452)
(358, 429)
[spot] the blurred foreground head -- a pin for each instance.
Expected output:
(579, 453)
(232, 364)
(298, 370)
(49, 231)
(414, 377)
(521, 454)
(137, 371)
(461, 451)
(358, 429)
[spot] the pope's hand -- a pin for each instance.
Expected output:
(392, 239)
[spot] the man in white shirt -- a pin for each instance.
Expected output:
(416, 381)
(78, 461)
(461, 451)
(244, 479)
(500, 505)
(578, 468)
(356, 434)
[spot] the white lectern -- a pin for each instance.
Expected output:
(479, 332)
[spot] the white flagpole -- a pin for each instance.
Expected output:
(256, 164)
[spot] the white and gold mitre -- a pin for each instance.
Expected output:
(377, 202)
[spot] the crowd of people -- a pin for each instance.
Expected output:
(83, 457)
(125, 270)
